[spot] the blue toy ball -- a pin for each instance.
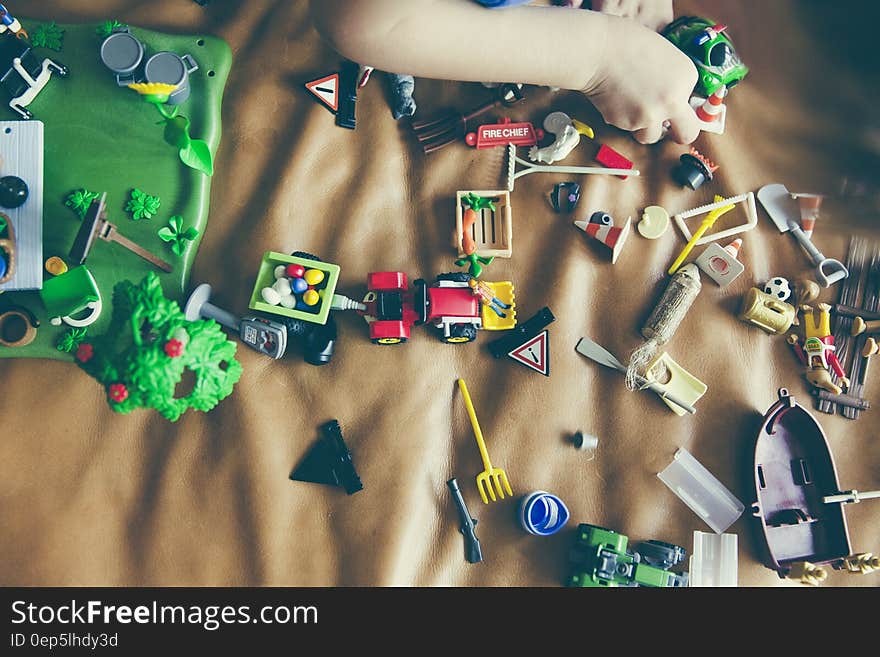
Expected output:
(2, 266)
(299, 285)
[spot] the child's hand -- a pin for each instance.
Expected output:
(644, 83)
(654, 14)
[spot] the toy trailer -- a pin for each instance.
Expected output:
(316, 314)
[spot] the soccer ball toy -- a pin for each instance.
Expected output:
(778, 288)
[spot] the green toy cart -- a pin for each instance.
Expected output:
(325, 289)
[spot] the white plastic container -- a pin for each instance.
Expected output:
(701, 491)
(714, 560)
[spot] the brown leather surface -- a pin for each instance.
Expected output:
(90, 497)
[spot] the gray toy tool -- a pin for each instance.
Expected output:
(598, 353)
(782, 210)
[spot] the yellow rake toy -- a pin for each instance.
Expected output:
(490, 479)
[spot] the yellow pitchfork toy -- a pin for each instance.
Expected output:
(490, 479)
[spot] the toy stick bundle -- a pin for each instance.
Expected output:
(664, 321)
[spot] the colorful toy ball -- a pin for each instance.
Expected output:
(542, 514)
(295, 271)
(299, 285)
(310, 298)
(778, 288)
(314, 276)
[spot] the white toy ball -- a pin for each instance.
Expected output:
(288, 301)
(282, 287)
(778, 288)
(270, 296)
(280, 272)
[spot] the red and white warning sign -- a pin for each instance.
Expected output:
(327, 90)
(535, 353)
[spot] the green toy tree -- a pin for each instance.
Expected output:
(152, 357)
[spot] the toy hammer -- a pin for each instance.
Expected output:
(95, 225)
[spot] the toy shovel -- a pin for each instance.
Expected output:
(782, 210)
(490, 479)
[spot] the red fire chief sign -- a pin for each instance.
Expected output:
(504, 133)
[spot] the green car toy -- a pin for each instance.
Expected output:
(600, 558)
(711, 50)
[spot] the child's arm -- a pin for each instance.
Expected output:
(634, 77)
(655, 14)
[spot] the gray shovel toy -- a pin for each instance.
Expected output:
(782, 210)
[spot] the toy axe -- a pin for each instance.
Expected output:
(95, 225)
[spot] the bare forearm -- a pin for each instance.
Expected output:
(459, 40)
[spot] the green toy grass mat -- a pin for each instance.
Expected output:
(104, 138)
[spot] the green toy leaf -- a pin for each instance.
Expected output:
(48, 35)
(177, 132)
(175, 234)
(106, 28)
(198, 156)
(142, 205)
(71, 340)
(80, 200)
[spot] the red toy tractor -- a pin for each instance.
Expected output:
(392, 308)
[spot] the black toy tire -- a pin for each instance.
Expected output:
(460, 334)
(455, 277)
(320, 343)
(380, 342)
(661, 554)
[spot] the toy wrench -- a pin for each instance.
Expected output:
(783, 210)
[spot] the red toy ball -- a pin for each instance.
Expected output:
(295, 271)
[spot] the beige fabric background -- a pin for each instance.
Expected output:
(89, 497)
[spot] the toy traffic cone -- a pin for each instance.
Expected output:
(809, 205)
(601, 227)
(734, 247)
(711, 112)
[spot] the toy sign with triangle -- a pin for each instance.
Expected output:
(534, 353)
(327, 90)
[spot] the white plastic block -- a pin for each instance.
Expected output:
(714, 560)
(701, 491)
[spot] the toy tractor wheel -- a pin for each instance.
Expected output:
(662, 555)
(455, 277)
(389, 340)
(460, 333)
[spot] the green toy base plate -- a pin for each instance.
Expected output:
(105, 138)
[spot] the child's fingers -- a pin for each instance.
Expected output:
(650, 135)
(685, 127)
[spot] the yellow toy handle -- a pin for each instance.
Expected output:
(706, 224)
(476, 425)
